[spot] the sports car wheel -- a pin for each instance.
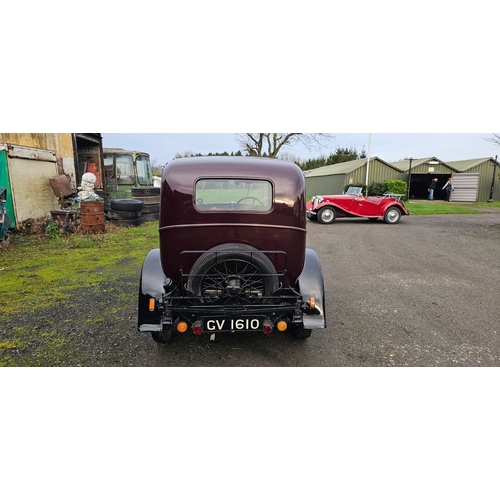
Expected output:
(326, 215)
(232, 273)
(392, 215)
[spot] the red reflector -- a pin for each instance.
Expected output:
(268, 327)
(197, 329)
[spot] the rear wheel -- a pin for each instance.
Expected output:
(392, 215)
(326, 215)
(164, 336)
(299, 332)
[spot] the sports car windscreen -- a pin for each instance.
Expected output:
(233, 194)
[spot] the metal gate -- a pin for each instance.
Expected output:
(466, 187)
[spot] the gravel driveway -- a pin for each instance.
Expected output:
(421, 293)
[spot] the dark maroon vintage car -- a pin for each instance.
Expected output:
(326, 208)
(232, 254)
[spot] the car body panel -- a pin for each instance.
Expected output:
(354, 205)
(232, 251)
(184, 227)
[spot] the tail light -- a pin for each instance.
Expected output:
(268, 326)
(197, 328)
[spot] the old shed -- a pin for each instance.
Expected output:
(474, 180)
(423, 170)
(332, 179)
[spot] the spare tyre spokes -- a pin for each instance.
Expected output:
(233, 281)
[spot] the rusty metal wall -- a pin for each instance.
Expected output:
(62, 144)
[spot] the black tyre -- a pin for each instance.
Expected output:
(127, 204)
(123, 214)
(326, 215)
(145, 191)
(232, 274)
(299, 332)
(148, 200)
(151, 209)
(392, 215)
(128, 222)
(164, 336)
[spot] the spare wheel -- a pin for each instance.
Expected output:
(232, 273)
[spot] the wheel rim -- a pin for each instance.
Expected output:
(392, 215)
(327, 215)
(232, 281)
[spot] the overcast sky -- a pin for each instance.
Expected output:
(389, 147)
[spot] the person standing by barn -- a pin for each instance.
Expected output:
(448, 188)
(432, 188)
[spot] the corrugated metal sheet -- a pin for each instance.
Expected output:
(431, 165)
(332, 179)
(466, 187)
(31, 192)
(484, 167)
(28, 153)
(326, 184)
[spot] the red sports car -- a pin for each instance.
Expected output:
(325, 209)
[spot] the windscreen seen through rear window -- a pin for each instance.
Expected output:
(233, 194)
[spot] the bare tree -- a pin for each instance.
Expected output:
(495, 139)
(271, 144)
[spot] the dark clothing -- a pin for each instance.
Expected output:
(431, 189)
(448, 188)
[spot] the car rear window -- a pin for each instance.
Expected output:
(233, 194)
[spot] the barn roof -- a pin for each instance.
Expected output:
(464, 165)
(405, 164)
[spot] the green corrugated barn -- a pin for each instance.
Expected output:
(332, 179)
(423, 170)
(484, 170)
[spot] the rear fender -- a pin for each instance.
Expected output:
(311, 284)
(151, 287)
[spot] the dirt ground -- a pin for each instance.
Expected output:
(423, 292)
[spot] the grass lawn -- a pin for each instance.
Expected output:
(38, 271)
(441, 207)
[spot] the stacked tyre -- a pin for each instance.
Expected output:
(150, 196)
(126, 212)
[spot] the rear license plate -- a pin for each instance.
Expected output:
(233, 324)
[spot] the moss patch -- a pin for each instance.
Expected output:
(38, 272)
